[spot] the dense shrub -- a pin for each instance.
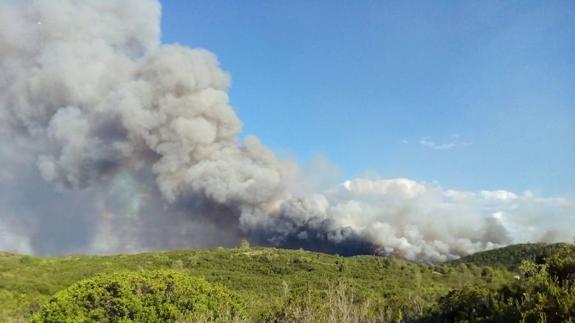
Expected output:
(476, 304)
(155, 296)
(561, 265)
(544, 292)
(547, 291)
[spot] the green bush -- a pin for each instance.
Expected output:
(543, 292)
(155, 296)
(561, 265)
(547, 291)
(476, 304)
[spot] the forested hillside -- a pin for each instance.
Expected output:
(275, 285)
(510, 257)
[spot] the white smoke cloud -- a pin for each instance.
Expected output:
(114, 142)
(12, 241)
(424, 221)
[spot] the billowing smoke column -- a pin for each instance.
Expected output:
(115, 143)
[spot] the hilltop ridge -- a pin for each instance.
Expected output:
(510, 257)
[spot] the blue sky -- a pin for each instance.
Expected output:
(471, 94)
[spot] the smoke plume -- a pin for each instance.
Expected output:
(113, 142)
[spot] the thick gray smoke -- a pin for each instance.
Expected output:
(113, 142)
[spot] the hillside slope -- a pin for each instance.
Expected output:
(510, 257)
(264, 276)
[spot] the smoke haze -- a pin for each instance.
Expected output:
(113, 142)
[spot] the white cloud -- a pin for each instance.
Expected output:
(452, 142)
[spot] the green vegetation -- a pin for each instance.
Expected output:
(510, 257)
(544, 292)
(156, 296)
(273, 285)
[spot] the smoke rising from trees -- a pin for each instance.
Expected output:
(114, 142)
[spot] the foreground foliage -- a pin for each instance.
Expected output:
(271, 285)
(543, 292)
(157, 296)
